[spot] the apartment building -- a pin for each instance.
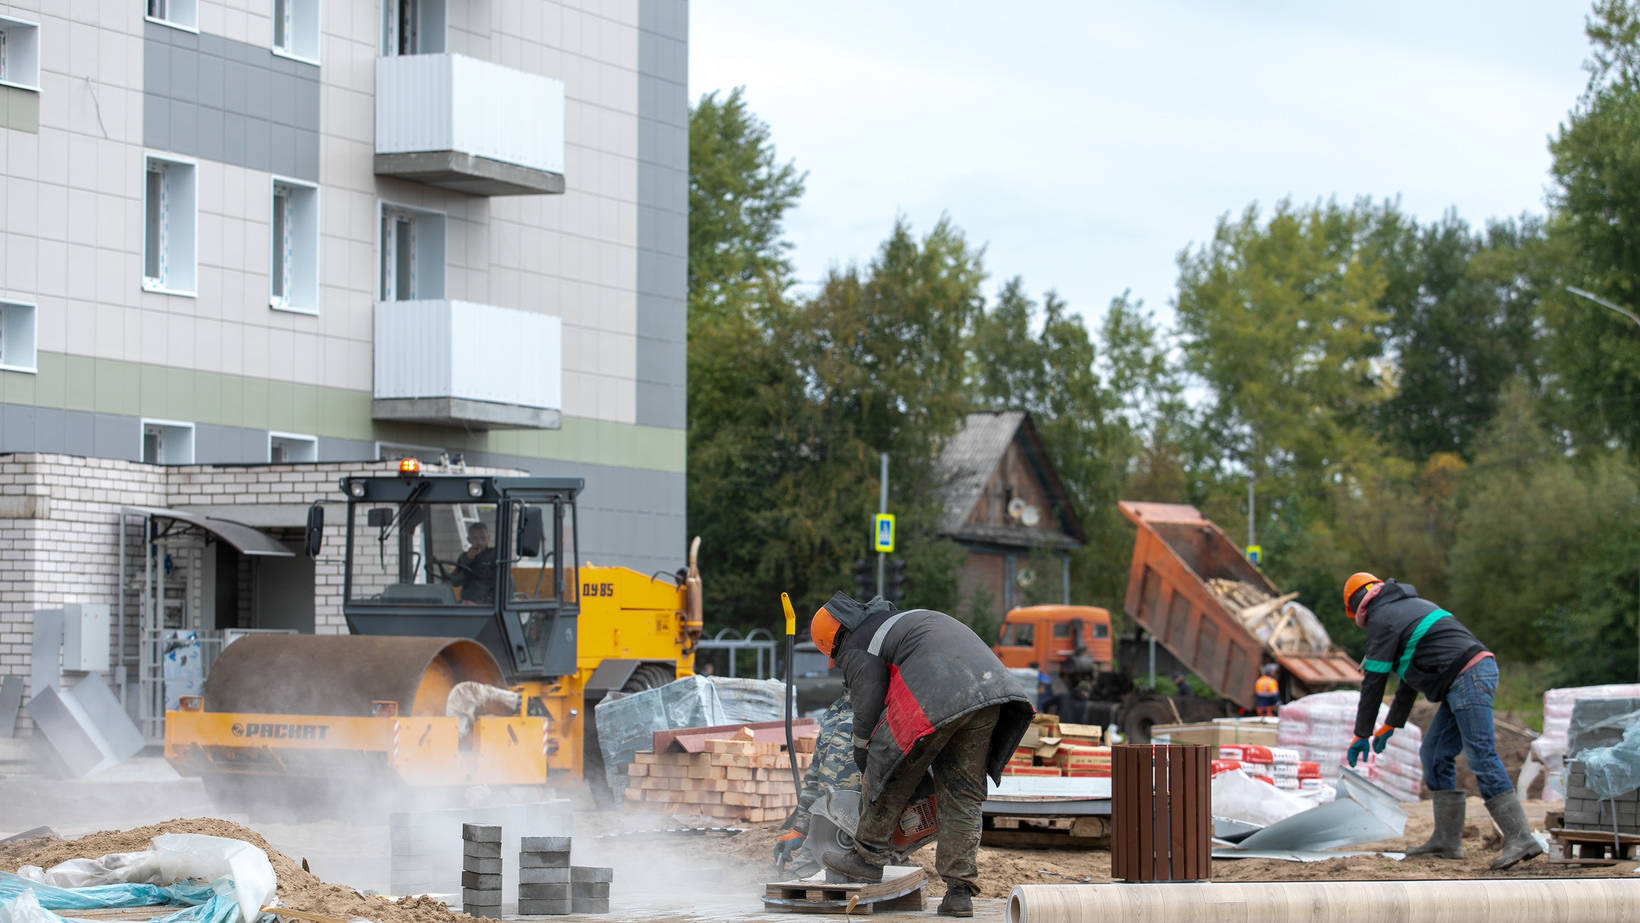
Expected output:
(261, 242)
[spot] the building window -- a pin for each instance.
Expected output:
(412, 27)
(393, 451)
(167, 443)
(17, 347)
(296, 29)
(19, 53)
(184, 14)
(170, 217)
(293, 265)
(412, 254)
(292, 447)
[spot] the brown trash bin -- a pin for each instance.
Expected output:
(1161, 807)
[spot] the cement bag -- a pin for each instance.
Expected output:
(237, 869)
(1321, 727)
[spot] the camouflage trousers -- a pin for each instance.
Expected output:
(956, 752)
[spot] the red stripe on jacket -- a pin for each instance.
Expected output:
(907, 721)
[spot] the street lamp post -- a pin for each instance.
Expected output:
(1619, 309)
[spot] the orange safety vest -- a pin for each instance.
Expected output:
(1266, 685)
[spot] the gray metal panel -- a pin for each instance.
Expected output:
(662, 213)
(210, 97)
(108, 717)
(46, 651)
(79, 433)
(17, 428)
(117, 436)
(11, 700)
(75, 747)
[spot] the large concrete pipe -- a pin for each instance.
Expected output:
(1492, 900)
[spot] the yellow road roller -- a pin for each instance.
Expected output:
(477, 651)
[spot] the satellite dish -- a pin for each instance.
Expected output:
(1016, 507)
(1031, 516)
(1023, 577)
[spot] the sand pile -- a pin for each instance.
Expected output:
(298, 889)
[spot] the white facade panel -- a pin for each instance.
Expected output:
(450, 102)
(476, 352)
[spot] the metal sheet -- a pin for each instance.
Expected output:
(1362, 813)
(11, 700)
(46, 652)
(1297, 855)
(242, 537)
(70, 739)
(108, 717)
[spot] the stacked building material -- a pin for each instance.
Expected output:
(589, 888)
(544, 876)
(481, 870)
(732, 778)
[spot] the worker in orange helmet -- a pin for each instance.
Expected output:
(1433, 653)
(927, 694)
(1267, 692)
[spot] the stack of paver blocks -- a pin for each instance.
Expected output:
(1584, 808)
(734, 779)
(589, 888)
(544, 883)
(481, 870)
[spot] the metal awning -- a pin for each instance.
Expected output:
(243, 538)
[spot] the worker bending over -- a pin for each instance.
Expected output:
(931, 695)
(1433, 653)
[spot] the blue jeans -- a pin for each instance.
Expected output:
(1464, 724)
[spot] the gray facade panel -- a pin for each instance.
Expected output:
(663, 104)
(79, 433)
(217, 99)
(331, 449)
(114, 437)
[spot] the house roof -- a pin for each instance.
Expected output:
(972, 455)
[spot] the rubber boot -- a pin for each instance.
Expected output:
(1518, 842)
(958, 901)
(852, 866)
(1447, 840)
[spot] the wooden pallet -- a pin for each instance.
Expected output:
(1591, 847)
(1046, 832)
(900, 890)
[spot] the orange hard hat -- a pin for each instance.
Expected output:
(1357, 580)
(823, 630)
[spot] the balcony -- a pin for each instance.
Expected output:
(468, 125)
(455, 363)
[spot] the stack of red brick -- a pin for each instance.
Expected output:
(1050, 748)
(733, 778)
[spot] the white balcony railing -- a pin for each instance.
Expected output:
(457, 362)
(511, 121)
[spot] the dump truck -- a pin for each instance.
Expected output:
(1214, 613)
(1191, 588)
(468, 663)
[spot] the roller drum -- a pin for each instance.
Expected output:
(343, 674)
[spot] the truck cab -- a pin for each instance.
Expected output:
(1072, 642)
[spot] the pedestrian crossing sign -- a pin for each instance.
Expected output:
(883, 533)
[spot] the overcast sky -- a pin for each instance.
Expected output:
(1084, 144)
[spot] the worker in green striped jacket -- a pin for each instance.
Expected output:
(1433, 653)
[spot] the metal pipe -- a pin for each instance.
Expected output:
(1495, 900)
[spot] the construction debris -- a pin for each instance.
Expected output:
(733, 777)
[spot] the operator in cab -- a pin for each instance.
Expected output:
(475, 568)
(928, 694)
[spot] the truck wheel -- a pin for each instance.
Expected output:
(646, 676)
(1144, 715)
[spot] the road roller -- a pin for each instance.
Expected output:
(477, 649)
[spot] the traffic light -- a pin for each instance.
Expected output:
(893, 579)
(865, 578)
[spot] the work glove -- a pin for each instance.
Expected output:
(786, 846)
(1380, 738)
(1358, 750)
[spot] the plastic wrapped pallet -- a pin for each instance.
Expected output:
(1321, 727)
(627, 722)
(1550, 747)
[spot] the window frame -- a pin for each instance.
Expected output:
(313, 32)
(429, 249)
(309, 439)
(20, 53)
(432, 24)
(190, 23)
(163, 283)
(177, 425)
(8, 308)
(304, 236)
